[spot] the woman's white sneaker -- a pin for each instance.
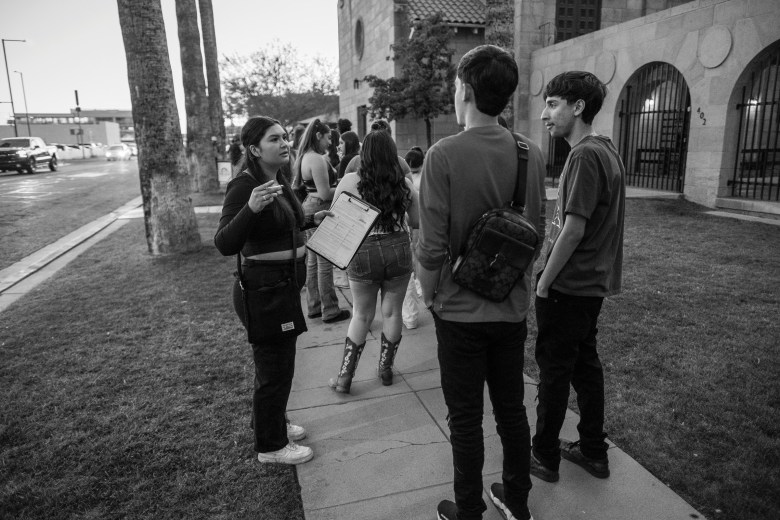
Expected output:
(290, 454)
(295, 433)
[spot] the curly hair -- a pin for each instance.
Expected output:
(382, 182)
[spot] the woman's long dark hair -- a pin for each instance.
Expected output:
(351, 143)
(287, 208)
(382, 182)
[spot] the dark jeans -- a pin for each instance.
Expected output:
(566, 353)
(471, 354)
(274, 361)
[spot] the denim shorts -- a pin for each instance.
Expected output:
(381, 258)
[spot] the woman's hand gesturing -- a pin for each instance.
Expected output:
(264, 195)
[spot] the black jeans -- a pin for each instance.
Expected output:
(566, 353)
(274, 360)
(471, 354)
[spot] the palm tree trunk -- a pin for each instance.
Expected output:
(212, 74)
(200, 150)
(168, 213)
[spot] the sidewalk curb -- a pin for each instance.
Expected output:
(29, 265)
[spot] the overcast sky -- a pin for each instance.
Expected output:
(77, 45)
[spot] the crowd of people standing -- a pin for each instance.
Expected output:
(427, 203)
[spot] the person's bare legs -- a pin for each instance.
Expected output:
(393, 292)
(363, 310)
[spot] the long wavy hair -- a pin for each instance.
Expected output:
(382, 182)
(287, 208)
(309, 142)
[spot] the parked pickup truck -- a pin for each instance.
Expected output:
(26, 154)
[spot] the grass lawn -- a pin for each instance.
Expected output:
(127, 382)
(127, 392)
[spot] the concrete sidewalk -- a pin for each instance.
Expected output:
(383, 452)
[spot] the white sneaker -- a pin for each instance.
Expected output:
(290, 454)
(295, 433)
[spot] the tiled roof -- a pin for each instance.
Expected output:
(455, 11)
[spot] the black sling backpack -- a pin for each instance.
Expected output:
(501, 243)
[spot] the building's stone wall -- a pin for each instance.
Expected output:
(684, 36)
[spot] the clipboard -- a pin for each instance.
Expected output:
(338, 238)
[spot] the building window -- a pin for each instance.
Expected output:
(576, 17)
(359, 38)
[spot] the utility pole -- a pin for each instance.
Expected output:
(26, 110)
(79, 139)
(8, 76)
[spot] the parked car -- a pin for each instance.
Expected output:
(118, 152)
(133, 147)
(26, 154)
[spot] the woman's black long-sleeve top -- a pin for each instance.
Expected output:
(240, 229)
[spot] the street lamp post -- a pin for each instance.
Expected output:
(8, 76)
(26, 111)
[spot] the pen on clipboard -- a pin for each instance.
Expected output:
(359, 203)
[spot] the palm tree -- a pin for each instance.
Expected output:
(200, 150)
(168, 213)
(212, 73)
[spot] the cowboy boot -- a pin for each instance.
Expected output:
(352, 353)
(386, 358)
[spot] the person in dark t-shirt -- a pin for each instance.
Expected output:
(583, 256)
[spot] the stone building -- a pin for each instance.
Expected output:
(694, 89)
(368, 28)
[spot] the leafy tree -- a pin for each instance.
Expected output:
(500, 30)
(168, 213)
(424, 89)
(274, 81)
(200, 151)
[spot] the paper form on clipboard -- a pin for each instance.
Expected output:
(338, 238)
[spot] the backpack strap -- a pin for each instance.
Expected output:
(518, 198)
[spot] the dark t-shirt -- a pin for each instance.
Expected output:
(593, 186)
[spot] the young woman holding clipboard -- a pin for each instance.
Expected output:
(384, 261)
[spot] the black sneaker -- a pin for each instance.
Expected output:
(571, 451)
(497, 496)
(447, 510)
(539, 471)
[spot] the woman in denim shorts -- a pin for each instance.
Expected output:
(384, 261)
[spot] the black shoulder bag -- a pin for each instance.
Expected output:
(501, 243)
(274, 310)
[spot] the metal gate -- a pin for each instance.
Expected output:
(557, 152)
(655, 108)
(757, 164)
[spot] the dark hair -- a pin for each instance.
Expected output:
(382, 182)
(381, 124)
(344, 125)
(351, 143)
(235, 152)
(287, 208)
(575, 85)
(333, 154)
(492, 73)
(297, 134)
(414, 157)
(502, 122)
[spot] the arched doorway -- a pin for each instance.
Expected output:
(654, 112)
(757, 161)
